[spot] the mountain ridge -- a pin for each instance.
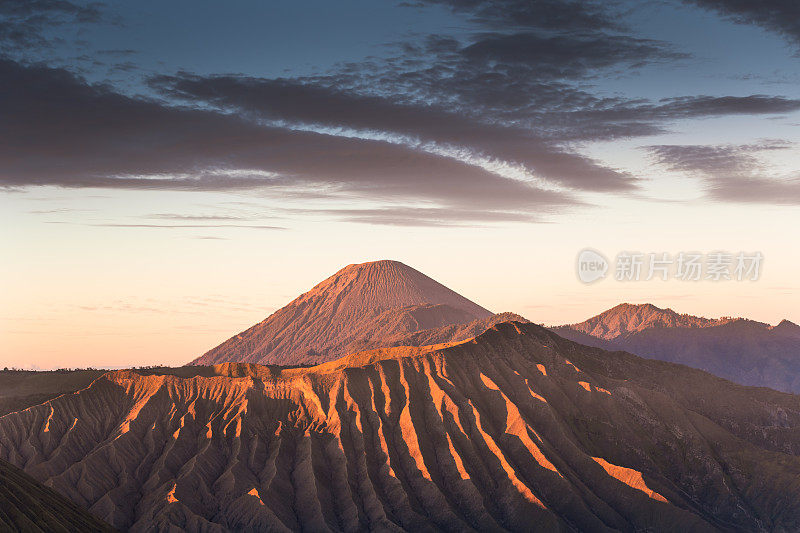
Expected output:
(516, 429)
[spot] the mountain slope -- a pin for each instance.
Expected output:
(517, 429)
(351, 309)
(26, 505)
(745, 351)
(451, 333)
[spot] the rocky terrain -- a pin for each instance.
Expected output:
(26, 505)
(356, 308)
(745, 351)
(516, 429)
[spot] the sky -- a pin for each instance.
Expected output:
(173, 172)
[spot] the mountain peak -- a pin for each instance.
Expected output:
(627, 318)
(623, 307)
(786, 327)
(360, 302)
(386, 284)
(377, 265)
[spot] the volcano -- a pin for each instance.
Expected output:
(358, 308)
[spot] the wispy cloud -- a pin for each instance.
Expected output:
(733, 173)
(205, 218)
(179, 226)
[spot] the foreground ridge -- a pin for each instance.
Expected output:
(26, 505)
(516, 429)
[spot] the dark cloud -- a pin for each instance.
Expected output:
(58, 130)
(118, 52)
(732, 172)
(558, 15)
(705, 106)
(23, 21)
(566, 55)
(513, 89)
(517, 61)
(533, 142)
(295, 102)
(779, 16)
(639, 118)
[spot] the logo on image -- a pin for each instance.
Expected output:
(592, 265)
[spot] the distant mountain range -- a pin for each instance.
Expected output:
(742, 350)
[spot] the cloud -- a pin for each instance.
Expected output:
(206, 218)
(561, 15)
(60, 210)
(483, 123)
(568, 55)
(299, 103)
(405, 216)
(732, 173)
(705, 106)
(22, 21)
(639, 118)
(59, 130)
(179, 226)
(506, 93)
(779, 16)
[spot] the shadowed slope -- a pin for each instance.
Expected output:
(20, 389)
(28, 506)
(516, 430)
(451, 333)
(353, 309)
(745, 351)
